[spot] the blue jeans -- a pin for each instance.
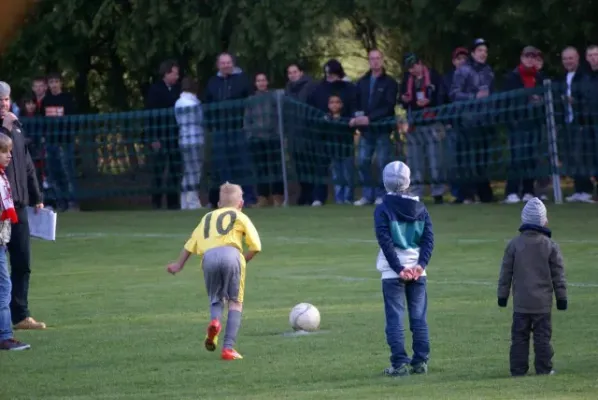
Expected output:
(395, 292)
(367, 146)
(342, 176)
(61, 171)
(5, 289)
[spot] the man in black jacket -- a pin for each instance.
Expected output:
(377, 99)
(25, 192)
(230, 159)
(164, 143)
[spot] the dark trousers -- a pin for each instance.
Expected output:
(302, 157)
(541, 327)
(268, 166)
(581, 160)
(20, 265)
(524, 143)
(230, 162)
(163, 158)
(473, 157)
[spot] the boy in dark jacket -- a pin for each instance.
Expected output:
(534, 265)
(406, 240)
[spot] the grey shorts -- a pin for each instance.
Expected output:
(223, 272)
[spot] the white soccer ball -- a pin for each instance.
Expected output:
(304, 317)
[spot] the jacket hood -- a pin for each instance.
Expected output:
(408, 208)
(236, 71)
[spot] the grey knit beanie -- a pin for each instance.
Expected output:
(396, 177)
(534, 213)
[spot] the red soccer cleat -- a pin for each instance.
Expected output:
(231, 354)
(212, 337)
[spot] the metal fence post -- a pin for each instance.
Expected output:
(283, 157)
(553, 152)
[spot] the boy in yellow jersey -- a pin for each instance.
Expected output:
(218, 239)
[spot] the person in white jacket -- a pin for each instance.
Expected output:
(189, 117)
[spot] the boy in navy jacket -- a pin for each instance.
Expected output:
(406, 240)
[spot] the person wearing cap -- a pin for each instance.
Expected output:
(421, 90)
(377, 99)
(472, 81)
(524, 130)
(25, 192)
(406, 239)
(533, 266)
(458, 58)
(332, 84)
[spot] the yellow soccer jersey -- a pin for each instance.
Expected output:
(223, 227)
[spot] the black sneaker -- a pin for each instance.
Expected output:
(13, 345)
(420, 368)
(401, 371)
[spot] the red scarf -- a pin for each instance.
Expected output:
(411, 83)
(8, 206)
(528, 76)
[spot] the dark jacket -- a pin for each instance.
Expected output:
(469, 78)
(301, 89)
(233, 87)
(58, 130)
(337, 136)
(403, 223)
(227, 117)
(434, 92)
(447, 81)
(591, 98)
(382, 103)
(533, 265)
(162, 125)
(521, 107)
(21, 171)
(160, 96)
(578, 94)
(347, 91)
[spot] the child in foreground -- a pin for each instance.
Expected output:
(218, 240)
(406, 240)
(8, 217)
(534, 266)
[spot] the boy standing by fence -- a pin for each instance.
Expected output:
(534, 266)
(218, 239)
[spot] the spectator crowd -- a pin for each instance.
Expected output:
(343, 129)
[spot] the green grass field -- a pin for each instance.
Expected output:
(120, 327)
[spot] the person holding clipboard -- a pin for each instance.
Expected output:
(25, 191)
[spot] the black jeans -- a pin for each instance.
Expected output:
(473, 158)
(20, 265)
(268, 166)
(541, 327)
(166, 157)
(524, 141)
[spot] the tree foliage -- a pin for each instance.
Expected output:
(109, 50)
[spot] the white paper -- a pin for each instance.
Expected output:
(42, 224)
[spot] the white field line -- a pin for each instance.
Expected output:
(308, 240)
(295, 239)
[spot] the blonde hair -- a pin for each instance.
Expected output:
(5, 142)
(231, 195)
